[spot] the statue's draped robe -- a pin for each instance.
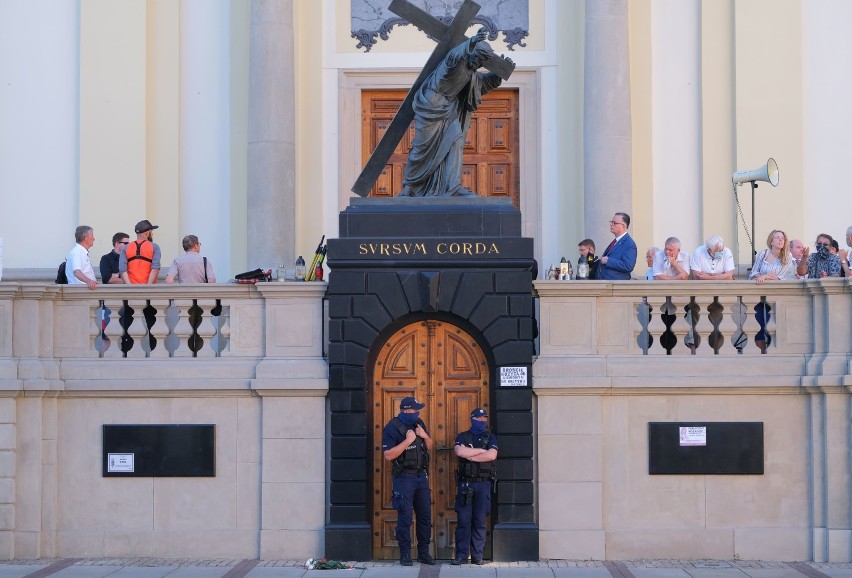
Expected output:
(442, 108)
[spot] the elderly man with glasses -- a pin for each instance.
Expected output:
(619, 258)
(109, 262)
(822, 263)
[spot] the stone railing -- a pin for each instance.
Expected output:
(804, 327)
(42, 325)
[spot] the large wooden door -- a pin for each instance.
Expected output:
(443, 367)
(490, 161)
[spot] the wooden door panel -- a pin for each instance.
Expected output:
(443, 367)
(499, 177)
(471, 139)
(469, 178)
(384, 184)
(493, 138)
(499, 138)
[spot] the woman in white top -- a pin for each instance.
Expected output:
(773, 263)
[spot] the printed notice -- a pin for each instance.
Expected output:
(120, 463)
(513, 377)
(693, 436)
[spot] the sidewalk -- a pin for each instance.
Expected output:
(230, 568)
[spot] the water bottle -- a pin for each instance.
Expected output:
(300, 268)
(582, 269)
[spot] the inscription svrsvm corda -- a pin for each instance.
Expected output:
(471, 248)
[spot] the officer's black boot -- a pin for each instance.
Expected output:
(459, 560)
(425, 558)
(405, 559)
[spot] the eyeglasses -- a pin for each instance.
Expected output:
(123, 242)
(615, 223)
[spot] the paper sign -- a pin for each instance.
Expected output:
(120, 463)
(513, 377)
(693, 436)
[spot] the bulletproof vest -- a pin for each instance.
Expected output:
(415, 457)
(469, 470)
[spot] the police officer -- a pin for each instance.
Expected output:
(476, 449)
(407, 444)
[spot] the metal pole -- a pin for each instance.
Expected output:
(753, 232)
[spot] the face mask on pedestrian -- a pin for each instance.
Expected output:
(477, 426)
(718, 255)
(409, 419)
(822, 249)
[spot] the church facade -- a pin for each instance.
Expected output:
(247, 122)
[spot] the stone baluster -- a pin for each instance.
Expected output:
(750, 325)
(160, 329)
(138, 330)
(114, 331)
(730, 323)
(681, 325)
(704, 326)
(656, 326)
(96, 314)
(771, 324)
(224, 342)
(206, 330)
(183, 328)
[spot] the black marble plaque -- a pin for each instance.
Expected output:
(160, 451)
(731, 448)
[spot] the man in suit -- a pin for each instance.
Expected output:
(619, 259)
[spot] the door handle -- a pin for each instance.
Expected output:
(443, 448)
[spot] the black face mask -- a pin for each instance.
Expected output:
(822, 250)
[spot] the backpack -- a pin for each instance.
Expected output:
(61, 277)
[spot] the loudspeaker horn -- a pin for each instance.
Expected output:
(768, 173)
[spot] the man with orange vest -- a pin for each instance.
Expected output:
(140, 261)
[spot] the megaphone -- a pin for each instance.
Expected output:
(768, 173)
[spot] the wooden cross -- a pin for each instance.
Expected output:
(450, 37)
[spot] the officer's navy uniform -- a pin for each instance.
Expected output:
(473, 497)
(410, 488)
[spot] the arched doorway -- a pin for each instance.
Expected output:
(445, 368)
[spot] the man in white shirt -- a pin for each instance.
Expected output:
(712, 261)
(797, 250)
(672, 263)
(78, 267)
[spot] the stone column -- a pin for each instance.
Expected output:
(607, 151)
(205, 131)
(271, 135)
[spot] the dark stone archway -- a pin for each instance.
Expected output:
(403, 258)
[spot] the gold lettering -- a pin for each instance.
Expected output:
(421, 248)
(467, 248)
(384, 249)
(441, 248)
(494, 249)
(362, 249)
(396, 249)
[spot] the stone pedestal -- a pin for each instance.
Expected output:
(461, 259)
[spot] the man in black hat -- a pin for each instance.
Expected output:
(407, 444)
(476, 449)
(140, 261)
(139, 264)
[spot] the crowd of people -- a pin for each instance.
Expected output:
(783, 258)
(135, 262)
